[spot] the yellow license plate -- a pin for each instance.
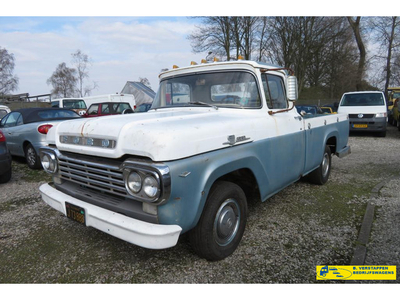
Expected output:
(75, 213)
(360, 126)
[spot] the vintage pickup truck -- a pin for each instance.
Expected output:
(217, 135)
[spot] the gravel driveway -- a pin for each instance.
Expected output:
(286, 237)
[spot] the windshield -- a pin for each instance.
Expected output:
(363, 99)
(74, 104)
(396, 95)
(234, 89)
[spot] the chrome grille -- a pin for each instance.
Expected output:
(101, 177)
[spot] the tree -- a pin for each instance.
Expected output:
(213, 35)
(82, 62)
(145, 81)
(63, 81)
(355, 25)
(8, 81)
(387, 32)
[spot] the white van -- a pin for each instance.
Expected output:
(129, 98)
(367, 111)
(76, 104)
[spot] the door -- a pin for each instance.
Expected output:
(286, 150)
(9, 127)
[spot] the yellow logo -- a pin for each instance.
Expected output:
(356, 272)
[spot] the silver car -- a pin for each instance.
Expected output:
(25, 130)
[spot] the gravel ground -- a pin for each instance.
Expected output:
(286, 237)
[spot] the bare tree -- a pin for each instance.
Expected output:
(213, 35)
(145, 81)
(387, 30)
(355, 25)
(63, 81)
(8, 81)
(244, 35)
(82, 63)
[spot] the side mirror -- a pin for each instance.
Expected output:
(292, 91)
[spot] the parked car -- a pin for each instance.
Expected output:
(308, 110)
(143, 108)
(327, 110)
(25, 130)
(394, 113)
(108, 108)
(4, 110)
(367, 111)
(76, 104)
(5, 160)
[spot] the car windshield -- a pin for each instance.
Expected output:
(74, 104)
(233, 89)
(363, 99)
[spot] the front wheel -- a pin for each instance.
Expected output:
(222, 223)
(32, 159)
(321, 175)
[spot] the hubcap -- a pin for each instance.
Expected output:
(226, 222)
(31, 156)
(325, 164)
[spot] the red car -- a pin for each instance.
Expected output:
(107, 109)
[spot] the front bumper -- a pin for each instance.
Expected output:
(368, 124)
(147, 235)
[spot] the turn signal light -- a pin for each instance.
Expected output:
(43, 129)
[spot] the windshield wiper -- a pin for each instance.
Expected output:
(204, 104)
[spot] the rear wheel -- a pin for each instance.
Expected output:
(6, 176)
(222, 223)
(32, 159)
(321, 174)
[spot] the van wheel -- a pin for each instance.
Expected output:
(321, 175)
(32, 159)
(222, 223)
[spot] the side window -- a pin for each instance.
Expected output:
(93, 109)
(12, 119)
(274, 91)
(105, 109)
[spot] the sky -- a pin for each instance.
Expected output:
(125, 40)
(120, 48)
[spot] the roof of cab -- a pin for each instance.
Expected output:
(211, 65)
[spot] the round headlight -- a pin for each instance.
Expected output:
(48, 163)
(150, 186)
(134, 182)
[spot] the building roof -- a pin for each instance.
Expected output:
(142, 93)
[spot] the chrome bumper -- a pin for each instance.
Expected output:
(147, 235)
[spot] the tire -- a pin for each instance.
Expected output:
(321, 175)
(4, 178)
(32, 159)
(382, 134)
(398, 125)
(222, 223)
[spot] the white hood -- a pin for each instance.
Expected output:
(162, 135)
